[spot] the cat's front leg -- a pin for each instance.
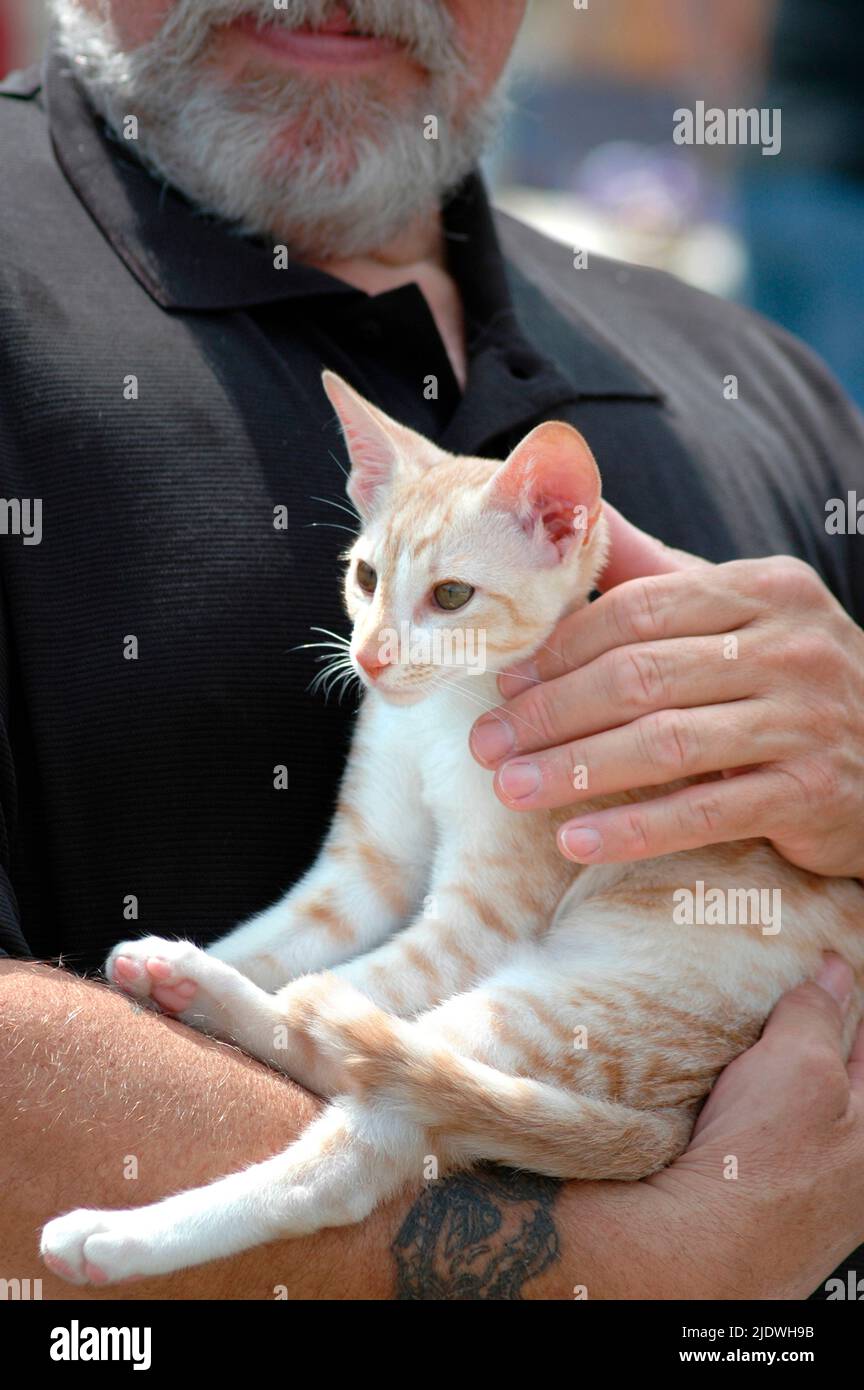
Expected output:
(203, 992)
(343, 906)
(209, 995)
(461, 936)
(367, 881)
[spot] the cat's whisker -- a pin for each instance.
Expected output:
(494, 670)
(304, 646)
(490, 709)
(339, 636)
(328, 647)
(340, 669)
(329, 502)
(335, 641)
(338, 660)
(342, 469)
(333, 526)
(336, 679)
(341, 660)
(345, 683)
(558, 655)
(316, 682)
(469, 694)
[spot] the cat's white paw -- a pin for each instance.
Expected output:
(182, 980)
(169, 972)
(97, 1247)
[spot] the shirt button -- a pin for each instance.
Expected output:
(521, 370)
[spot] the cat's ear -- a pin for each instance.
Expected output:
(551, 483)
(377, 446)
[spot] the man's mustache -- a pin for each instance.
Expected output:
(425, 27)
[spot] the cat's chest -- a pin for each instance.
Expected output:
(426, 749)
(451, 785)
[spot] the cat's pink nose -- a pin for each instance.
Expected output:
(371, 664)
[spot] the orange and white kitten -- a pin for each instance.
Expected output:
(442, 974)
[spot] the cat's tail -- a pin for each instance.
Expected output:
(481, 1112)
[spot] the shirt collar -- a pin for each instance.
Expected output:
(186, 260)
(183, 259)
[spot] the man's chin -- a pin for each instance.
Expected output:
(331, 169)
(295, 143)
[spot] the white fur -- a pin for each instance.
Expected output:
(433, 804)
(431, 812)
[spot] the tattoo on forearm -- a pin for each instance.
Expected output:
(479, 1235)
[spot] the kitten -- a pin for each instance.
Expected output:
(442, 974)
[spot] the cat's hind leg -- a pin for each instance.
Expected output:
(527, 1112)
(404, 1092)
(519, 1101)
(516, 1100)
(347, 1162)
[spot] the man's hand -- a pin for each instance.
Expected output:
(683, 669)
(769, 1197)
(779, 1148)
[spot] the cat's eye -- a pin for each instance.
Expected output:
(452, 594)
(366, 577)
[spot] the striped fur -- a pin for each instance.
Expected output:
(455, 988)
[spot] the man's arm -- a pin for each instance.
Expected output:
(90, 1087)
(87, 1085)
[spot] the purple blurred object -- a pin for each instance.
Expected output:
(644, 186)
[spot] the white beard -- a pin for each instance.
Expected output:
(358, 172)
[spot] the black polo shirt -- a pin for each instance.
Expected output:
(160, 393)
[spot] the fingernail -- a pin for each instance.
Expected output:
(518, 678)
(520, 779)
(837, 979)
(492, 739)
(581, 842)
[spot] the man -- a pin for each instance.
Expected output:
(204, 205)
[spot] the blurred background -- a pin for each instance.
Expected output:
(588, 155)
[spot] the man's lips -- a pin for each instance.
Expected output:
(333, 42)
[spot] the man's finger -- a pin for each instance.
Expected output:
(618, 687)
(651, 610)
(633, 554)
(649, 752)
(856, 1065)
(813, 1016)
(707, 813)
(797, 1061)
